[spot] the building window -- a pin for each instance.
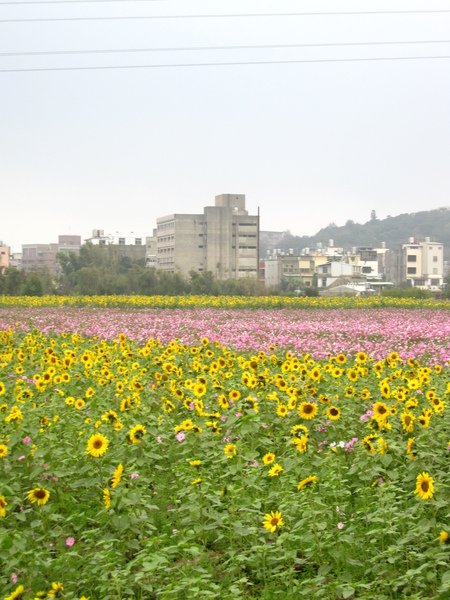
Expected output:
(412, 270)
(434, 281)
(435, 258)
(121, 241)
(412, 258)
(138, 241)
(367, 269)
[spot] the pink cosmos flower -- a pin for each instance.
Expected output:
(340, 525)
(134, 475)
(26, 440)
(70, 541)
(181, 436)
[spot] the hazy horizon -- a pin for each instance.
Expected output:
(309, 143)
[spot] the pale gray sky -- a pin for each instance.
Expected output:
(307, 143)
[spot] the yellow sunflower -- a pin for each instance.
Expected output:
(38, 496)
(230, 450)
(307, 410)
(17, 593)
(97, 445)
(444, 537)
(273, 521)
(308, 481)
(107, 498)
(424, 486)
(136, 433)
(268, 458)
(3, 505)
(3, 450)
(333, 413)
(275, 470)
(117, 476)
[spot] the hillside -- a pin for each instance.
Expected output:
(392, 230)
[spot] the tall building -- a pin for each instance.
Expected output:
(223, 240)
(4, 257)
(43, 257)
(420, 264)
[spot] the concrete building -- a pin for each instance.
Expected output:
(223, 240)
(43, 257)
(4, 257)
(417, 263)
(132, 246)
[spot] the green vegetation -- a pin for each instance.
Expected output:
(392, 230)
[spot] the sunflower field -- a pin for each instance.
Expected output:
(138, 467)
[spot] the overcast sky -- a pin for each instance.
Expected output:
(308, 143)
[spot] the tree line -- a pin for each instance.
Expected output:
(100, 270)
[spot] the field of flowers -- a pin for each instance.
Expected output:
(224, 454)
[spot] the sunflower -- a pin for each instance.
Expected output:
(2, 388)
(407, 420)
(57, 587)
(230, 450)
(282, 410)
(38, 496)
(107, 498)
(333, 413)
(268, 458)
(136, 433)
(444, 537)
(234, 395)
(299, 427)
(273, 521)
(3, 450)
(117, 476)
(307, 410)
(424, 486)
(3, 505)
(97, 445)
(409, 450)
(275, 470)
(301, 443)
(308, 481)
(380, 411)
(199, 390)
(17, 593)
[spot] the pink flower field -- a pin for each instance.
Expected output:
(423, 334)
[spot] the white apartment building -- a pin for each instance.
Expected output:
(223, 240)
(419, 263)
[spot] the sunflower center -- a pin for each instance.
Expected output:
(39, 494)
(98, 444)
(274, 521)
(425, 486)
(308, 408)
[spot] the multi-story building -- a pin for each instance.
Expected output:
(119, 244)
(4, 257)
(43, 257)
(417, 263)
(223, 240)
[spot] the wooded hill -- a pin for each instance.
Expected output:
(394, 231)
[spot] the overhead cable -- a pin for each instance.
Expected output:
(224, 16)
(213, 48)
(223, 64)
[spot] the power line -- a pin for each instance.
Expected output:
(223, 64)
(73, 2)
(209, 48)
(226, 16)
